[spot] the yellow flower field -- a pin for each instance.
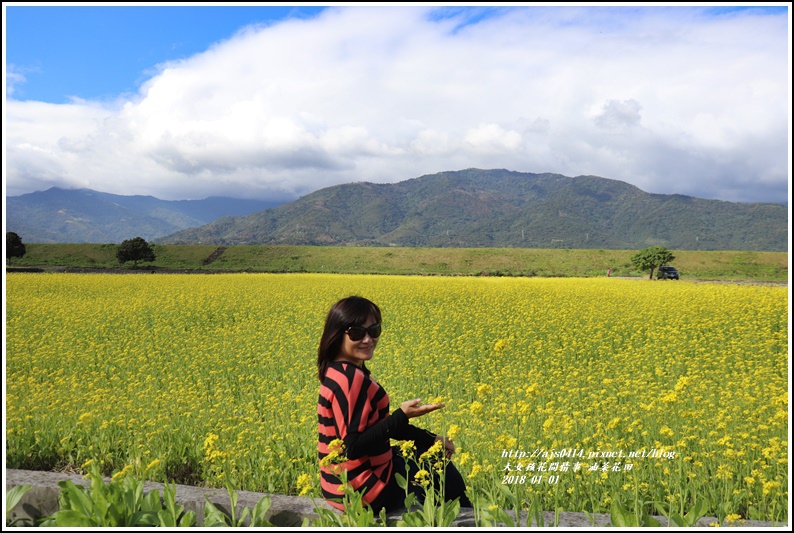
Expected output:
(570, 394)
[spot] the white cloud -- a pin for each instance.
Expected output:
(670, 100)
(492, 138)
(13, 78)
(616, 115)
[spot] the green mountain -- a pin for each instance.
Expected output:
(501, 208)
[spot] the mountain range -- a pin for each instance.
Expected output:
(502, 208)
(467, 208)
(86, 216)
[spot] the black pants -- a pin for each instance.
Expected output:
(393, 497)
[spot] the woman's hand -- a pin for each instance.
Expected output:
(413, 408)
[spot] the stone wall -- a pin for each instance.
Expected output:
(285, 511)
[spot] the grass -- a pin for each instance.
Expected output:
(530, 262)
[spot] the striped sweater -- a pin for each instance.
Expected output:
(353, 407)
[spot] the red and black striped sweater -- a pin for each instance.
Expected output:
(353, 407)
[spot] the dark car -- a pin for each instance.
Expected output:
(667, 272)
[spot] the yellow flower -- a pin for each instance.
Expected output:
(682, 382)
(336, 445)
(407, 448)
(210, 441)
(770, 486)
(422, 477)
(724, 472)
(336, 449)
(453, 431)
(124, 471)
(154, 464)
(433, 451)
(731, 518)
(670, 397)
(304, 484)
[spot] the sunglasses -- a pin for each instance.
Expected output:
(356, 333)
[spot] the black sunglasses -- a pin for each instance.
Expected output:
(356, 333)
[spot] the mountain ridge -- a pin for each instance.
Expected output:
(495, 208)
(88, 216)
(502, 208)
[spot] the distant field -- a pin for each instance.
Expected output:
(529, 262)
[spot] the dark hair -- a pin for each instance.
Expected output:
(350, 311)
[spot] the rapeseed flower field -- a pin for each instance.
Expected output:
(566, 394)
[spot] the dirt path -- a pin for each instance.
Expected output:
(215, 255)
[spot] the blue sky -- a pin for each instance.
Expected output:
(185, 102)
(98, 52)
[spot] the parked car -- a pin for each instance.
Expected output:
(667, 272)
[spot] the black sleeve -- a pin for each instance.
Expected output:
(395, 427)
(421, 437)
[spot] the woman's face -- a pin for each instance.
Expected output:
(357, 352)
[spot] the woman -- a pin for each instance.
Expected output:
(354, 408)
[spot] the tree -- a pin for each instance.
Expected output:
(652, 258)
(14, 245)
(134, 250)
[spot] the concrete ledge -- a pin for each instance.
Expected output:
(285, 511)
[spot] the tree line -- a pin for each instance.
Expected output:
(137, 249)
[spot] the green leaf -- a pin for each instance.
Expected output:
(14, 495)
(429, 511)
(401, 481)
(166, 519)
(260, 511)
(151, 502)
(72, 518)
(660, 509)
(675, 517)
(451, 511)
(188, 519)
(412, 519)
(696, 513)
(144, 518)
(74, 498)
(48, 521)
(240, 521)
(503, 517)
(410, 500)
(649, 521)
(214, 517)
(507, 494)
(621, 517)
